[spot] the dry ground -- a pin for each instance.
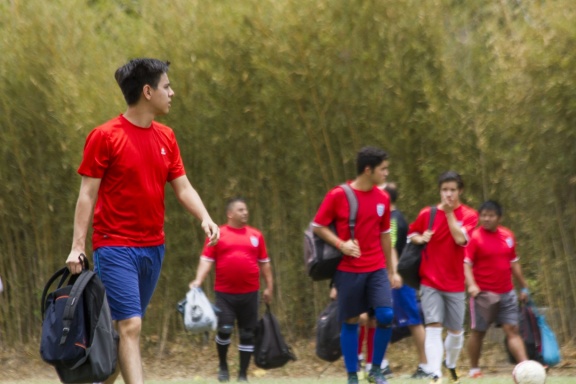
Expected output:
(192, 357)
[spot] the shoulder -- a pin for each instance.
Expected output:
(468, 211)
(253, 231)
(163, 129)
(505, 232)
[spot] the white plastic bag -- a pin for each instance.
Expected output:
(198, 313)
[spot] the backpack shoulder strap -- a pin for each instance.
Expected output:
(72, 302)
(353, 203)
(433, 210)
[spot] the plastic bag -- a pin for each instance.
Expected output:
(550, 348)
(199, 315)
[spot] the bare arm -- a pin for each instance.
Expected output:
(82, 216)
(189, 198)
(473, 288)
(350, 247)
(204, 267)
(517, 273)
(455, 229)
(266, 270)
(391, 259)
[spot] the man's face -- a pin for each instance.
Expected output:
(238, 213)
(489, 220)
(449, 191)
(379, 174)
(161, 97)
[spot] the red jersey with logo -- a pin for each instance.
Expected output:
(134, 164)
(490, 254)
(442, 266)
(372, 220)
(236, 255)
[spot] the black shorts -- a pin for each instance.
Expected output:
(242, 308)
(362, 292)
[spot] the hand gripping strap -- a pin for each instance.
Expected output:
(353, 203)
(72, 302)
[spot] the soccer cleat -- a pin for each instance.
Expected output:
(376, 376)
(352, 378)
(435, 380)
(421, 374)
(454, 379)
(223, 375)
(387, 372)
(242, 378)
(476, 375)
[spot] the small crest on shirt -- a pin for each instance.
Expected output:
(163, 151)
(510, 242)
(254, 241)
(380, 209)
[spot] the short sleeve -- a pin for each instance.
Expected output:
(96, 157)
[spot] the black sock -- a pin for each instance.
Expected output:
(244, 362)
(222, 355)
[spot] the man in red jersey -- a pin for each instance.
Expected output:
(127, 162)
(362, 281)
(490, 263)
(442, 273)
(240, 256)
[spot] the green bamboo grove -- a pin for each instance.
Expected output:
(273, 99)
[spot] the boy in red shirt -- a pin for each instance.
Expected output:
(442, 273)
(126, 164)
(362, 280)
(490, 263)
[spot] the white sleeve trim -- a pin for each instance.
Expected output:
(206, 258)
(515, 260)
(314, 224)
(388, 231)
(468, 261)
(264, 260)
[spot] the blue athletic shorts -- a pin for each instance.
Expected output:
(361, 292)
(129, 275)
(406, 308)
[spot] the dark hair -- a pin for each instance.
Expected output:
(491, 205)
(232, 201)
(134, 75)
(369, 157)
(450, 176)
(392, 191)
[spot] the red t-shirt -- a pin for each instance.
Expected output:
(372, 220)
(442, 264)
(490, 254)
(236, 255)
(134, 164)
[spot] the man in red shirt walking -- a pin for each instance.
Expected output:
(362, 280)
(442, 288)
(239, 256)
(126, 164)
(490, 263)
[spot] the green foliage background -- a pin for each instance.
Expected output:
(273, 99)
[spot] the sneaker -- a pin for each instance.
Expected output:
(242, 378)
(376, 376)
(352, 378)
(435, 380)
(421, 374)
(476, 375)
(454, 379)
(387, 372)
(223, 375)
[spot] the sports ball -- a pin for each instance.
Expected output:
(529, 372)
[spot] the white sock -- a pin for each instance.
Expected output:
(453, 345)
(473, 371)
(368, 367)
(424, 367)
(360, 356)
(434, 350)
(384, 364)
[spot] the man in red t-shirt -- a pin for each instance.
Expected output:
(442, 273)
(490, 263)
(361, 280)
(126, 164)
(239, 257)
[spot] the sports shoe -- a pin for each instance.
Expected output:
(476, 375)
(376, 376)
(242, 378)
(223, 375)
(454, 379)
(435, 380)
(352, 378)
(421, 374)
(387, 372)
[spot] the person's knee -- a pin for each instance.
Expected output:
(224, 333)
(247, 336)
(129, 328)
(384, 317)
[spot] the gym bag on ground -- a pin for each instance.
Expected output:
(270, 349)
(322, 259)
(411, 258)
(78, 338)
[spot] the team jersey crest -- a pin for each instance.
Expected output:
(380, 209)
(254, 241)
(510, 242)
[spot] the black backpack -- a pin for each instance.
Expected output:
(78, 338)
(328, 333)
(270, 349)
(322, 259)
(530, 333)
